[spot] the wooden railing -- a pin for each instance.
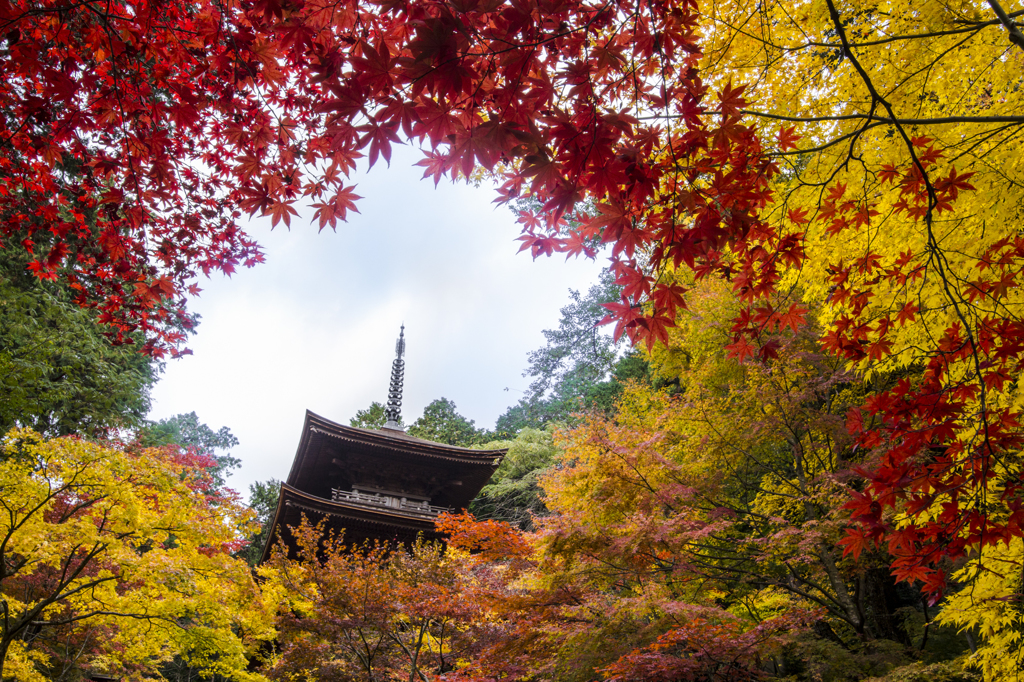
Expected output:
(378, 501)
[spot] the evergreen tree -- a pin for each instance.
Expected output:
(579, 369)
(373, 417)
(186, 431)
(513, 494)
(442, 423)
(263, 496)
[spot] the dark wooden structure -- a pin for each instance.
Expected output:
(377, 485)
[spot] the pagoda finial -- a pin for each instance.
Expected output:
(394, 409)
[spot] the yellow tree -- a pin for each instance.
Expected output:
(729, 495)
(730, 486)
(990, 606)
(898, 131)
(116, 562)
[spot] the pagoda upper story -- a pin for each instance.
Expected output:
(377, 484)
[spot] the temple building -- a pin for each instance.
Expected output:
(377, 484)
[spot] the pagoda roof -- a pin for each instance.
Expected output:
(383, 440)
(332, 456)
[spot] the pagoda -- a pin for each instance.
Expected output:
(377, 484)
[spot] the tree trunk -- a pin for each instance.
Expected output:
(882, 601)
(5, 643)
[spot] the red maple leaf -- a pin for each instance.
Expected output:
(854, 542)
(436, 164)
(740, 349)
(889, 173)
(787, 138)
(794, 317)
(380, 136)
(279, 211)
(798, 216)
(732, 100)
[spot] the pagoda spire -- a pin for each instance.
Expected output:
(394, 409)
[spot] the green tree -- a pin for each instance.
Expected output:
(513, 494)
(59, 373)
(578, 352)
(373, 417)
(263, 498)
(580, 368)
(442, 423)
(186, 431)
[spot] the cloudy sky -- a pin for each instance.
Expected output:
(315, 326)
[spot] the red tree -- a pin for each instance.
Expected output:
(136, 134)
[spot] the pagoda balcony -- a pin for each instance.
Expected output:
(377, 501)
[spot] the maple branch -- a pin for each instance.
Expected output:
(985, 137)
(887, 119)
(1016, 37)
(936, 256)
(1012, 15)
(36, 12)
(121, 614)
(798, 584)
(46, 500)
(928, 66)
(969, 27)
(31, 615)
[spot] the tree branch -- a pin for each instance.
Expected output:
(1016, 37)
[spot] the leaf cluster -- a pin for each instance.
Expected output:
(368, 613)
(581, 368)
(442, 423)
(513, 494)
(187, 432)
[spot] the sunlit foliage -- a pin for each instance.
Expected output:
(112, 562)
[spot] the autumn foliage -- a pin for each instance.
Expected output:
(696, 534)
(371, 612)
(846, 170)
(116, 562)
(109, 129)
(137, 133)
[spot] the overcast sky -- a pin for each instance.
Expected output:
(315, 326)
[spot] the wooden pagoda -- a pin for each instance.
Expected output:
(377, 484)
